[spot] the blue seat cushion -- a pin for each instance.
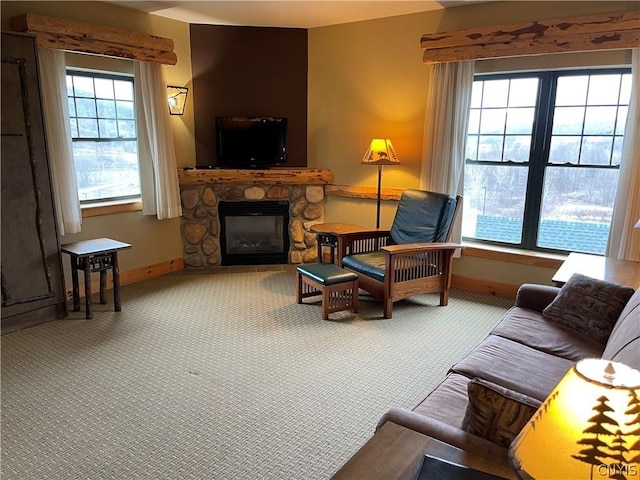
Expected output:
(326, 273)
(370, 264)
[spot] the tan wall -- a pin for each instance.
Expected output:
(367, 80)
(154, 241)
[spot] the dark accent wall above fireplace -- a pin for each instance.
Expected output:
(249, 71)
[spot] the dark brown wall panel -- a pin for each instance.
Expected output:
(249, 71)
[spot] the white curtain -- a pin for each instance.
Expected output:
(624, 240)
(53, 89)
(158, 167)
(445, 131)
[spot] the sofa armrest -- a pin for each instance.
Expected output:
(446, 433)
(535, 297)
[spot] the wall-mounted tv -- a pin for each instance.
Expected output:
(251, 142)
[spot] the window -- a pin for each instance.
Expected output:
(103, 131)
(542, 159)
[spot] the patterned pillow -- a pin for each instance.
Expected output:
(589, 306)
(497, 413)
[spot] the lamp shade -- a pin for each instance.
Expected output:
(587, 428)
(380, 152)
(177, 98)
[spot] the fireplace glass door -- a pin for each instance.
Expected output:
(254, 233)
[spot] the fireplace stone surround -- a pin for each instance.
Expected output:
(200, 192)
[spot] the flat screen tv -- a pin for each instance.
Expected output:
(251, 142)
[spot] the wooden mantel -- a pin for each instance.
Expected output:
(611, 31)
(272, 176)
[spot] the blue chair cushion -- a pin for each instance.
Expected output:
(326, 273)
(370, 264)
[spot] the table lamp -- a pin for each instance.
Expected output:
(587, 428)
(380, 153)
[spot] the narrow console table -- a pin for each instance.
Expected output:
(99, 255)
(623, 272)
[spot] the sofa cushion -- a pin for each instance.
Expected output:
(497, 413)
(589, 305)
(514, 366)
(448, 401)
(624, 343)
(531, 329)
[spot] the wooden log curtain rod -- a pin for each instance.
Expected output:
(62, 34)
(576, 34)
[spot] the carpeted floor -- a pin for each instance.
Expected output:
(221, 376)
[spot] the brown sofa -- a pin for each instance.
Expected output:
(527, 354)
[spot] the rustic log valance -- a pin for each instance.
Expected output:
(576, 34)
(72, 36)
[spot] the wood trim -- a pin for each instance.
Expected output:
(69, 35)
(98, 210)
(355, 191)
(523, 257)
(274, 176)
(480, 285)
(133, 276)
(620, 30)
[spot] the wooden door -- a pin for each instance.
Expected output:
(32, 280)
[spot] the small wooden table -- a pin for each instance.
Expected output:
(97, 255)
(623, 272)
(395, 453)
(327, 236)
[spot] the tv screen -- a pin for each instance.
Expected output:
(251, 142)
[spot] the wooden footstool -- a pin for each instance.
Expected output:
(339, 288)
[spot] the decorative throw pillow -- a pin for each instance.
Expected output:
(588, 305)
(497, 413)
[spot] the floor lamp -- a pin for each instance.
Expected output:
(380, 153)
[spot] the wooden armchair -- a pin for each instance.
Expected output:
(413, 257)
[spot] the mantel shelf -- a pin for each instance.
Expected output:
(273, 176)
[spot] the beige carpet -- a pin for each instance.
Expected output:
(220, 376)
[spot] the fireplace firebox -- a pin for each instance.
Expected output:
(254, 233)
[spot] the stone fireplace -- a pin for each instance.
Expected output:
(205, 236)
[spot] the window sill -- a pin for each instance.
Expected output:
(513, 255)
(110, 208)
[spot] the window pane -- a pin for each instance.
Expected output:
(106, 169)
(83, 86)
(523, 92)
(517, 148)
(476, 94)
(108, 128)
(600, 120)
(596, 150)
(472, 147)
(617, 151)
(572, 90)
(564, 150)
(72, 107)
(622, 119)
(520, 120)
(125, 110)
(625, 89)
(124, 90)
(69, 86)
(576, 208)
(495, 93)
(104, 88)
(490, 148)
(85, 107)
(603, 89)
(494, 202)
(87, 128)
(127, 128)
(474, 121)
(106, 108)
(568, 120)
(74, 127)
(493, 120)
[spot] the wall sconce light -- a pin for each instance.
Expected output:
(380, 153)
(177, 97)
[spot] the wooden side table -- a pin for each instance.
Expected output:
(395, 453)
(99, 255)
(623, 272)
(326, 236)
